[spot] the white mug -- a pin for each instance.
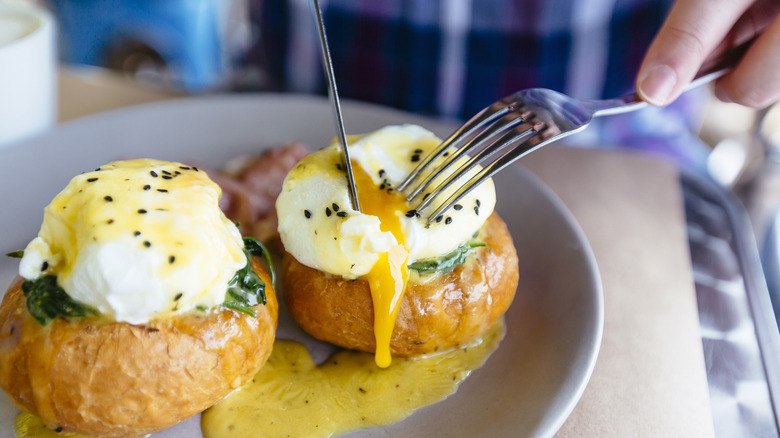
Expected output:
(28, 81)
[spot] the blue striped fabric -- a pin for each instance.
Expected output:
(451, 58)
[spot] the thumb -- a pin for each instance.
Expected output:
(691, 31)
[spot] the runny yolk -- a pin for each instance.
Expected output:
(387, 279)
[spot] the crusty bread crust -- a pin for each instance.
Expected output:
(436, 314)
(117, 379)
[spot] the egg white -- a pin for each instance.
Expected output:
(350, 246)
(137, 240)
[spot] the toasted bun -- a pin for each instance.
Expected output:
(121, 380)
(436, 313)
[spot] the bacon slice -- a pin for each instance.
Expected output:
(249, 197)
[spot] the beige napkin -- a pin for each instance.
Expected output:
(650, 378)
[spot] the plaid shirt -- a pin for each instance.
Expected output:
(453, 57)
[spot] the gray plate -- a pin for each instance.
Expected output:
(528, 386)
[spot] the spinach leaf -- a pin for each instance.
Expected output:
(448, 262)
(256, 248)
(46, 300)
(245, 290)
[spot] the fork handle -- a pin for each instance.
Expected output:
(711, 70)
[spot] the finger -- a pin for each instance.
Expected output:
(689, 34)
(753, 22)
(755, 81)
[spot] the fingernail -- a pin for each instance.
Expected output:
(657, 84)
(722, 96)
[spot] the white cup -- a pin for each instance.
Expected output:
(28, 82)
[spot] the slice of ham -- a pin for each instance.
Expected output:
(249, 198)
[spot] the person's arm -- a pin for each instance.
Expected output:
(697, 29)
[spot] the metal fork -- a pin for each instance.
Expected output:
(520, 124)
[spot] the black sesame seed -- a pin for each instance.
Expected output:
(448, 220)
(108, 199)
(44, 266)
(195, 169)
(439, 218)
(327, 211)
(411, 213)
(58, 430)
(457, 206)
(98, 169)
(178, 296)
(176, 172)
(476, 210)
(341, 214)
(165, 172)
(91, 179)
(171, 259)
(153, 173)
(415, 158)
(136, 233)
(338, 166)
(418, 151)
(110, 221)
(381, 173)
(184, 167)
(478, 203)
(307, 213)
(167, 177)
(147, 243)
(147, 187)
(141, 211)
(335, 207)
(383, 186)
(162, 190)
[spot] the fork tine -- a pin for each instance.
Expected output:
(487, 115)
(507, 122)
(523, 131)
(541, 138)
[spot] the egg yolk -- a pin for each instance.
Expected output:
(387, 279)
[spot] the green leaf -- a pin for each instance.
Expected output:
(16, 254)
(245, 290)
(257, 248)
(46, 300)
(448, 262)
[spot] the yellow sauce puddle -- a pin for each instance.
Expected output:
(293, 397)
(27, 425)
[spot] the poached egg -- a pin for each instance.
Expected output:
(138, 240)
(320, 229)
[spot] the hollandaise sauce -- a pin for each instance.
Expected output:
(27, 425)
(291, 396)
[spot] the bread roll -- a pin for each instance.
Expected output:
(437, 313)
(104, 378)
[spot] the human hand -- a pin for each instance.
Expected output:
(696, 30)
